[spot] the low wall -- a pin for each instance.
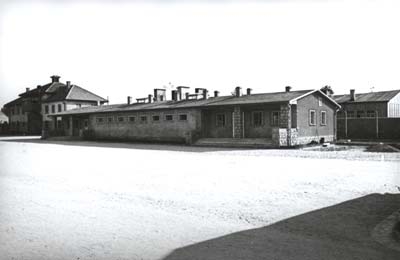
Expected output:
(280, 138)
(368, 128)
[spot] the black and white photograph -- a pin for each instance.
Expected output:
(208, 130)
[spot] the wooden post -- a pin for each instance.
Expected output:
(377, 124)
(289, 125)
(345, 123)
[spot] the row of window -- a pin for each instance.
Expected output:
(53, 108)
(256, 119)
(312, 117)
(358, 113)
(141, 119)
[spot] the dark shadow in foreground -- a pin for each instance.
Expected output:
(342, 231)
(128, 145)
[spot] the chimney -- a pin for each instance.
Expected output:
(174, 95)
(248, 91)
(187, 95)
(55, 78)
(216, 93)
(129, 100)
(180, 92)
(159, 94)
(150, 98)
(68, 84)
(288, 88)
(205, 91)
(27, 89)
(238, 91)
(352, 94)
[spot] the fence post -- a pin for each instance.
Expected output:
(377, 124)
(345, 123)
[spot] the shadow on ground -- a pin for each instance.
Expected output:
(126, 145)
(338, 232)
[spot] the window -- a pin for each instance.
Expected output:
(12, 111)
(220, 120)
(78, 105)
(156, 118)
(360, 113)
(257, 118)
(86, 123)
(46, 109)
(370, 113)
(110, 119)
(183, 117)
(320, 102)
(53, 108)
(59, 108)
(169, 117)
(131, 119)
(350, 113)
(323, 117)
(143, 119)
(312, 117)
(120, 119)
(275, 118)
(99, 120)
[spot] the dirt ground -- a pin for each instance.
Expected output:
(87, 200)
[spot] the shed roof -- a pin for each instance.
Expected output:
(381, 96)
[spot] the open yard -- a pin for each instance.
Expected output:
(83, 200)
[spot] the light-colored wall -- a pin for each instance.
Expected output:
(171, 131)
(304, 106)
(65, 105)
(394, 106)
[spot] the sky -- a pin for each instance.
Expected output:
(127, 48)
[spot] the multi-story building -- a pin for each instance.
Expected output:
(28, 114)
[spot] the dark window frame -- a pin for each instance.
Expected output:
(218, 121)
(323, 118)
(155, 118)
(167, 116)
(143, 119)
(260, 121)
(183, 117)
(273, 123)
(360, 114)
(312, 120)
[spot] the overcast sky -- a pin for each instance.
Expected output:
(120, 48)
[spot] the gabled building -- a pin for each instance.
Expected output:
(286, 118)
(28, 114)
(367, 116)
(359, 105)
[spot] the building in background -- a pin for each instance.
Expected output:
(359, 105)
(374, 115)
(278, 119)
(28, 114)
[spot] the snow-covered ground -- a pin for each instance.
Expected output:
(82, 202)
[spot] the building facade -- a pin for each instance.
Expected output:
(367, 116)
(28, 114)
(287, 118)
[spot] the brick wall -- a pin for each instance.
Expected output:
(237, 123)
